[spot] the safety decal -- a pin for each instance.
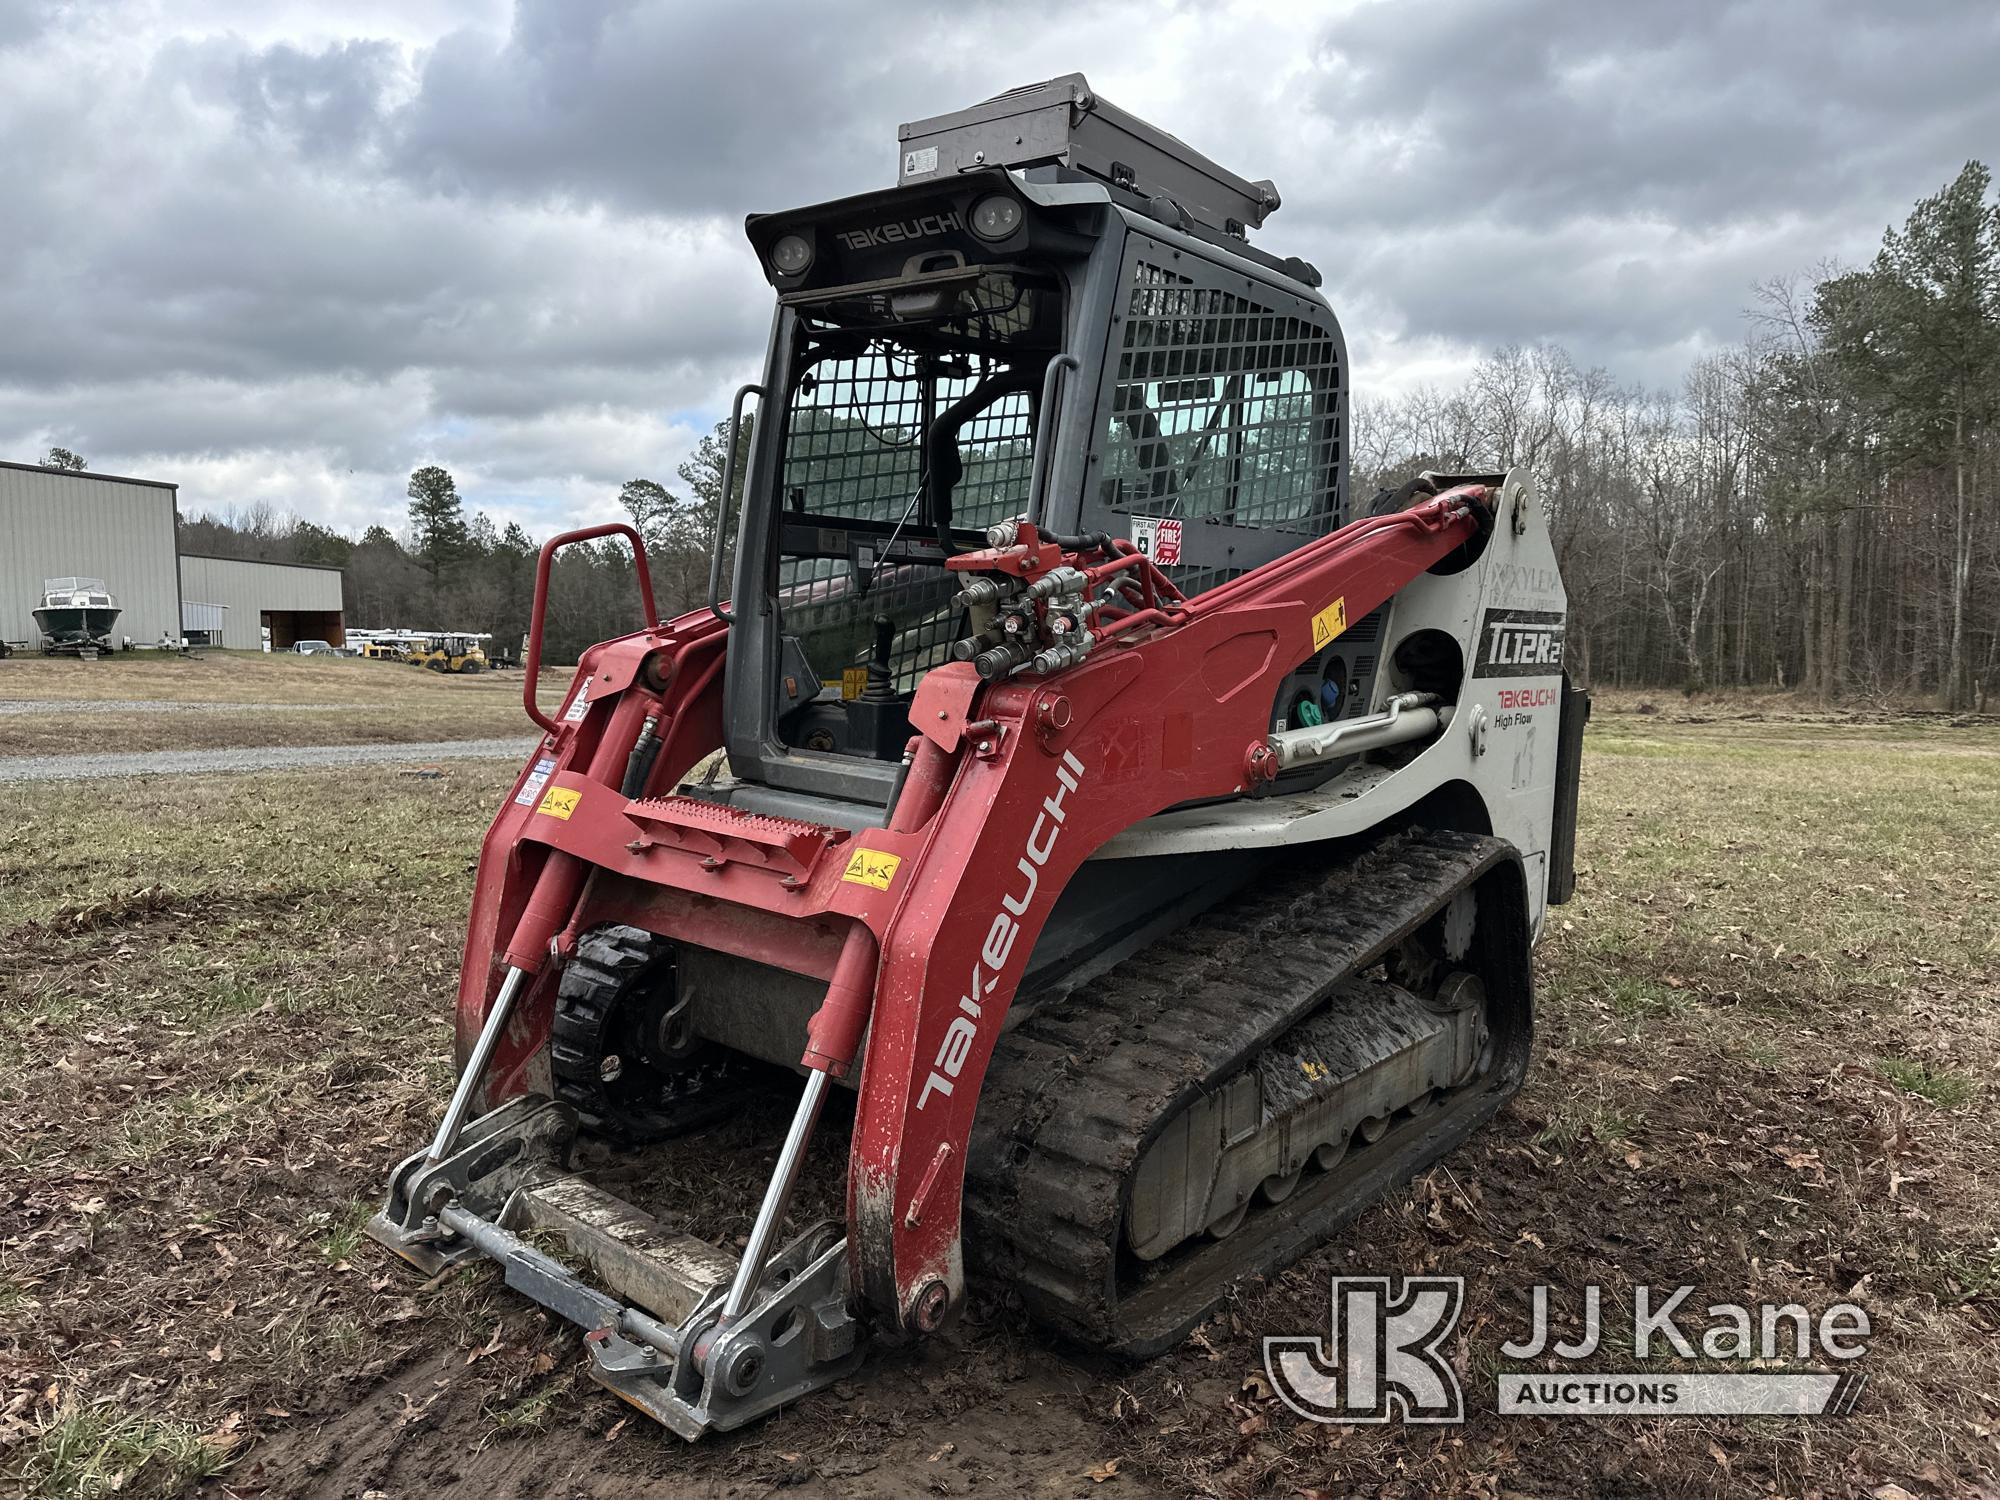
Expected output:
(871, 867)
(1159, 538)
(537, 779)
(580, 704)
(560, 802)
(1330, 622)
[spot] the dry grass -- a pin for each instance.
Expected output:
(230, 700)
(1768, 1045)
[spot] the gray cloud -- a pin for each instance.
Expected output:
(684, 109)
(286, 253)
(1618, 176)
(322, 104)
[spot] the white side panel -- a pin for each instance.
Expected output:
(1507, 613)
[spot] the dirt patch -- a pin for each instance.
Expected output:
(1769, 1029)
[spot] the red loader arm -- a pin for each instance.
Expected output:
(1172, 710)
(922, 927)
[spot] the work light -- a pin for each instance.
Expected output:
(792, 254)
(996, 217)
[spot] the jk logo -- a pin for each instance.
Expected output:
(1381, 1359)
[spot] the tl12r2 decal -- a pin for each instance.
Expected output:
(1519, 643)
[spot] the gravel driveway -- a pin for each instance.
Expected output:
(196, 762)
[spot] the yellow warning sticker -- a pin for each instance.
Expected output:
(853, 682)
(560, 802)
(1330, 622)
(872, 867)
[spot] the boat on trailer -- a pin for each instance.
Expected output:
(76, 614)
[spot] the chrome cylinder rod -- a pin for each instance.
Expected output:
(777, 1198)
(475, 1065)
(1409, 716)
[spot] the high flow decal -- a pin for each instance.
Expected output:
(901, 231)
(1000, 943)
(1520, 643)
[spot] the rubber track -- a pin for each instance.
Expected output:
(606, 962)
(1075, 1093)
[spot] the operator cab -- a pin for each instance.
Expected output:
(909, 426)
(1056, 314)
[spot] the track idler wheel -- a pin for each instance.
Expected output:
(1223, 1227)
(622, 1050)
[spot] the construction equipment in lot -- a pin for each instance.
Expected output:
(441, 651)
(449, 653)
(1143, 845)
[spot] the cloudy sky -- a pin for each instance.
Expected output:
(286, 251)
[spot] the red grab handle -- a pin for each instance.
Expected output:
(542, 565)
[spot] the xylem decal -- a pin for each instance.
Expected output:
(927, 227)
(1001, 934)
(1520, 643)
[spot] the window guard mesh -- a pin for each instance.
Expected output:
(1223, 409)
(854, 447)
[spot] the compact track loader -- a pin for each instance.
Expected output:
(1146, 844)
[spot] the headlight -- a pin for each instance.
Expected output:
(792, 254)
(996, 217)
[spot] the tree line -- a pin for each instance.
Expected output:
(449, 570)
(1817, 509)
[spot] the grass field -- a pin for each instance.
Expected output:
(1768, 1045)
(227, 700)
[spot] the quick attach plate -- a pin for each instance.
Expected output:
(660, 1344)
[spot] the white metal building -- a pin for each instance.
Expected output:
(294, 601)
(56, 523)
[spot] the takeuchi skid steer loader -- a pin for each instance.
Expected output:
(1151, 843)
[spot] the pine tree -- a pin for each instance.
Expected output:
(1918, 336)
(437, 519)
